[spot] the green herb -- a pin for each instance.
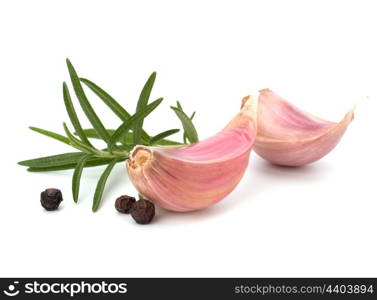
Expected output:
(73, 116)
(85, 105)
(141, 104)
(120, 111)
(162, 135)
(74, 142)
(51, 134)
(184, 134)
(93, 162)
(107, 99)
(137, 117)
(127, 138)
(76, 178)
(189, 129)
(119, 142)
(101, 185)
(179, 106)
(53, 160)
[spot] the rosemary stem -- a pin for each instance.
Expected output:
(113, 154)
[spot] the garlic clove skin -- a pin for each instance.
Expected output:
(194, 177)
(288, 136)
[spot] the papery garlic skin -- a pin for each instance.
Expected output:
(196, 176)
(290, 137)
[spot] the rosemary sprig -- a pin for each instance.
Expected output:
(94, 163)
(53, 160)
(141, 104)
(51, 134)
(190, 132)
(162, 135)
(127, 125)
(85, 105)
(76, 177)
(117, 109)
(76, 143)
(101, 185)
(119, 142)
(179, 106)
(73, 116)
(128, 138)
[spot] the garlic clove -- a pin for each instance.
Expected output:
(289, 136)
(194, 177)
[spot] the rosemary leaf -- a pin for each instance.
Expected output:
(51, 134)
(166, 142)
(179, 105)
(141, 104)
(73, 116)
(101, 185)
(70, 158)
(162, 135)
(126, 126)
(53, 160)
(76, 177)
(187, 124)
(77, 143)
(91, 133)
(86, 106)
(127, 139)
(184, 134)
(94, 163)
(107, 99)
(118, 109)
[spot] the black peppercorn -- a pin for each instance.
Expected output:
(124, 204)
(143, 211)
(51, 198)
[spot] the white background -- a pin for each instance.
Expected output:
(319, 220)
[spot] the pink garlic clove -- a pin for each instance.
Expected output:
(196, 176)
(290, 137)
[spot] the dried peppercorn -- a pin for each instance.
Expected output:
(51, 198)
(143, 211)
(124, 203)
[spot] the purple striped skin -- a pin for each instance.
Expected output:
(288, 136)
(196, 176)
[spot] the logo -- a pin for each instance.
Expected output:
(74, 288)
(65, 288)
(12, 290)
